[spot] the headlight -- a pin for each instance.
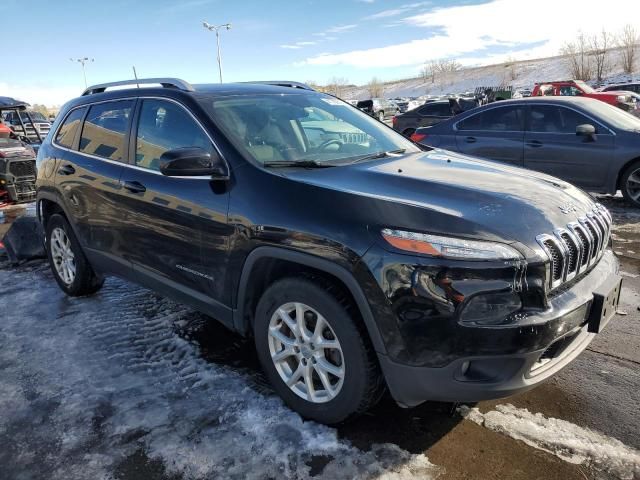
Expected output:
(623, 99)
(447, 247)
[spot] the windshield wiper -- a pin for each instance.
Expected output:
(296, 163)
(381, 154)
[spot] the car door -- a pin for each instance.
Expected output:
(552, 146)
(91, 151)
(433, 113)
(495, 133)
(177, 232)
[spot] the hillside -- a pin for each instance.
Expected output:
(519, 74)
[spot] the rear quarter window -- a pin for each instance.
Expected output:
(104, 130)
(67, 131)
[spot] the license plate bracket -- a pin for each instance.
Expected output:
(604, 305)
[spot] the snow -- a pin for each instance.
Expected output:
(570, 442)
(527, 73)
(86, 383)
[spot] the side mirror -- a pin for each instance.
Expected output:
(192, 162)
(586, 130)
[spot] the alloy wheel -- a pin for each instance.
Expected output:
(62, 255)
(633, 185)
(306, 352)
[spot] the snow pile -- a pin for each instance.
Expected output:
(88, 385)
(561, 438)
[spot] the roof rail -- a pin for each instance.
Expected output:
(165, 82)
(285, 83)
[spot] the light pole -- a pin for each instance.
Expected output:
(82, 62)
(216, 28)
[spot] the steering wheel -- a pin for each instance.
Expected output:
(328, 143)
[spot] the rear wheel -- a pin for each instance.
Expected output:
(314, 353)
(630, 184)
(68, 263)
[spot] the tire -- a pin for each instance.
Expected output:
(63, 249)
(408, 132)
(630, 184)
(361, 385)
(381, 116)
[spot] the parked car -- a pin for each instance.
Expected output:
(588, 143)
(354, 267)
(36, 125)
(379, 108)
(431, 114)
(624, 87)
(577, 88)
(17, 158)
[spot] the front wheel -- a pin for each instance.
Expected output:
(381, 116)
(68, 263)
(630, 184)
(313, 351)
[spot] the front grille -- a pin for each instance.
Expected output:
(24, 168)
(578, 246)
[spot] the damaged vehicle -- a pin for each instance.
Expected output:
(355, 267)
(17, 159)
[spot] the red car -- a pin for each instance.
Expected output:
(577, 88)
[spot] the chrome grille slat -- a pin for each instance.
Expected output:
(577, 247)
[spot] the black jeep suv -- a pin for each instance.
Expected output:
(357, 264)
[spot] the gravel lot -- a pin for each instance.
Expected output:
(129, 385)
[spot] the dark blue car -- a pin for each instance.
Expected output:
(583, 141)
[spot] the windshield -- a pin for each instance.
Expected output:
(301, 127)
(615, 116)
(585, 88)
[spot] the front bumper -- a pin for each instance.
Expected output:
(532, 350)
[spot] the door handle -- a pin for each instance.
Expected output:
(534, 143)
(470, 139)
(66, 170)
(134, 187)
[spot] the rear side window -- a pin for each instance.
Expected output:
(166, 126)
(554, 119)
(67, 131)
(104, 130)
(502, 119)
(436, 109)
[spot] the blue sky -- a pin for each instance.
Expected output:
(299, 40)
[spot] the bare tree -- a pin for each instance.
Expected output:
(578, 58)
(435, 68)
(512, 68)
(336, 86)
(376, 88)
(628, 42)
(40, 109)
(448, 66)
(430, 71)
(600, 46)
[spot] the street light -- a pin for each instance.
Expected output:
(216, 28)
(82, 61)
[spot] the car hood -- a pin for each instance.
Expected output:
(445, 192)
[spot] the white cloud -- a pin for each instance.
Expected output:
(465, 30)
(341, 28)
(298, 45)
(393, 12)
